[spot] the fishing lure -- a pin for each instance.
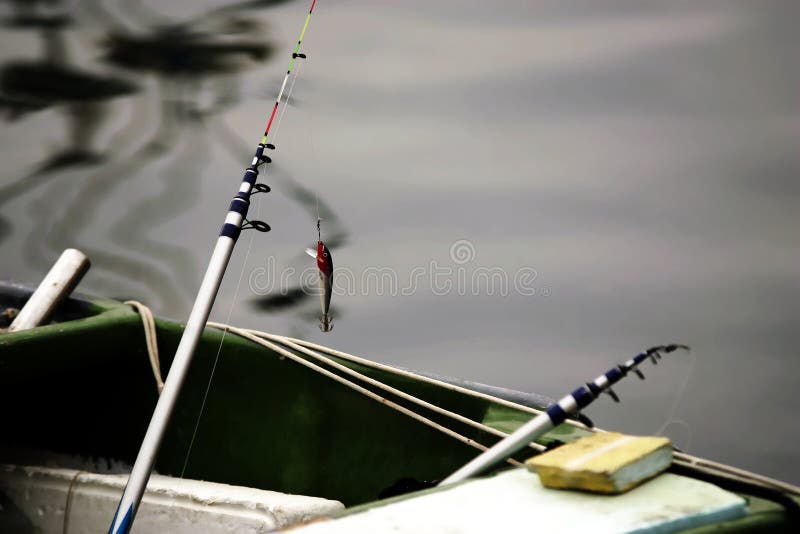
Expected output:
(325, 266)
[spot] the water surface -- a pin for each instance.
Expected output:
(518, 193)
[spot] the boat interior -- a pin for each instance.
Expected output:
(270, 413)
(84, 387)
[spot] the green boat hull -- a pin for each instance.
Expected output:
(85, 387)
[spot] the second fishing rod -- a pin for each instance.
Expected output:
(558, 413)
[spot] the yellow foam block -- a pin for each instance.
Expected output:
(605, 462)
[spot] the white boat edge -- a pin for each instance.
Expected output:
(58, 500)
(515, 501)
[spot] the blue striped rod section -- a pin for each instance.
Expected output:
(557, 414)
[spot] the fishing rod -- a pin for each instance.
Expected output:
(558, 413)
(235, 222)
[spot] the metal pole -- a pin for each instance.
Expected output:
(556, 414)
(140, 474)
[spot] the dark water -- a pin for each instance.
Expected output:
(519, 194)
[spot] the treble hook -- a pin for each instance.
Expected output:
(325, 324)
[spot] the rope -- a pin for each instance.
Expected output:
(313, 350)
(68, 504)
(689, 460)
(433, 381)
(380, 385)
(314, 367)
(679, 457)
(150, 340)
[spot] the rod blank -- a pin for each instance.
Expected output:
(555, 415)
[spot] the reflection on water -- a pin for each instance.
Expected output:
(640, 157)
(54, 81)
(187, 74)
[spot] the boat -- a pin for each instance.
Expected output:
(291, 432)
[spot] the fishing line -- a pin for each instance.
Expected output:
(236, 291)
(220, 258)
(288, 99)
(319, 219)
(312, 157)
(671, 419)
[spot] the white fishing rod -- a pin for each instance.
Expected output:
(235, 222)
(557, 414)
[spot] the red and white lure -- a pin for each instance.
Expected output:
(325, 266)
